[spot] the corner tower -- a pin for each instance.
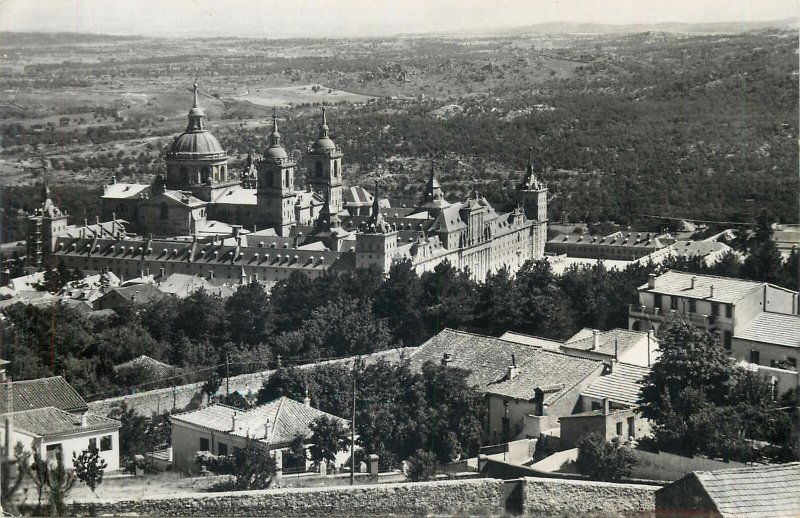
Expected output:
(195, 161)
(325, 167)
(376, 242)
(534, 199)
(275, 196)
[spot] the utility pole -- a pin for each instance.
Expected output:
(353, 435)
(227, 373)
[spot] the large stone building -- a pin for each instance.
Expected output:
(203, 220)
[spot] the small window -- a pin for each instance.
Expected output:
(619, 428)
(715, 309)
(673, 302)
(93, 444)
(105, 443)
(222, 448)
(53, 451)
(692, 306)
(755, 356)
(657, 298)
(596, 405)
(204, 445)
(728, 310)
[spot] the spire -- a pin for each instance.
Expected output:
(274, 137)
(376, 209)
(530, 159)
(530, 182)
(323, 129)
(196, 115)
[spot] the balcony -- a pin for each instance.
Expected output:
(696, 319)
(635, 310)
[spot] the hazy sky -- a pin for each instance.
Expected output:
(347, 18)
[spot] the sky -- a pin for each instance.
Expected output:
(360, 18)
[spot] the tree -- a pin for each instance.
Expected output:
(602, 460)
(89, 467)
(254, 467)
(212, 384)
(132, 432)
(11, 484)
(763, 261)
(297, 455)
(329, 437)
(422, 466)
(60, 480)
(37, 471)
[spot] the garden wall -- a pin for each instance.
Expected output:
(547, 496)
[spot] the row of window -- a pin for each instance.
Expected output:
(692, 306)
(56, 449)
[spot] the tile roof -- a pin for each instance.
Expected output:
(42, 393)
(124, 190)
(488, 358)
(287, 418)
(628, 239)
(622, 385)
(772, 328)
(139, 293)
(50, 421)
(608, 341)
(768, 491)
(535, 341)
(726, 289)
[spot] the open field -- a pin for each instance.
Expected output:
(290, 95)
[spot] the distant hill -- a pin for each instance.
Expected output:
(58, 38)
(597, 28)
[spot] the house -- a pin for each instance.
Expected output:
(220, 429)
(608, 407)
(49, 414)
(527, 388)
(758, 321)
(122, 296)
(182, 285)
(53, 431)
(627, 245)
(758, 491)
(634, 347)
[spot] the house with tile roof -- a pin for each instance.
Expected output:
(53, 431)
(124, 295)
(219, 429)
(527, 388)
(753, 492)
(635, 347)
(54, 392)
(758, 321)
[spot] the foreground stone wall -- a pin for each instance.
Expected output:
(458, 497)
(547, 496)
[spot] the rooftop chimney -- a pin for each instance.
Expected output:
(694, 281)
(446, 359)
(711, 292)
(267, 429)
(307, 399)
(233, 422)
(84, 423)
(651, 281)
(605, 406)
(595, 339)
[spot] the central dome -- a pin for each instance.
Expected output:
(196, 144)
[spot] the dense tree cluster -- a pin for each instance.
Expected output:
(701, 402)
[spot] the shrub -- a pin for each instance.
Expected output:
(601, 460)
(422, 466)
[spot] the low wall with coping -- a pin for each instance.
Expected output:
(668, 466)
(547, 496)
(444, 498)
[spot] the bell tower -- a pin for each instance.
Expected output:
(325, 167)
(275, 195)
(534, 198)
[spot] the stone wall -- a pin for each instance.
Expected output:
(461, 497)
(547, 496)
(668, 466)
(177, 398)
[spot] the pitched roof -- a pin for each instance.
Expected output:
(772, 328)
(50, 421)
(726, 289)
(139, 293)
(534, 341)
(488, 358)
(754, 491)
(124, 190)
(148, 366)
(42, 393)
(619, 340)
(621, 385)
(287, 418)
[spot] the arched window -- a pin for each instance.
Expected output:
(205, 175)
(164, 211)
(318, 167)
(335, 168)
(287, 178)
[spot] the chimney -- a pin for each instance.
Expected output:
(512, 369)
(694, 281)
(307, 399)
(446, 359)
(711, 292)
(236, 230)
(605, 406)
(84, 424)
(595, 339)
(233, 422)
(651, 281)
(267, 429)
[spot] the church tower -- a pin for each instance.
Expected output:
(325, 167)
(534, 198)
(44, 227)
(275, 196)
(376, 242)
